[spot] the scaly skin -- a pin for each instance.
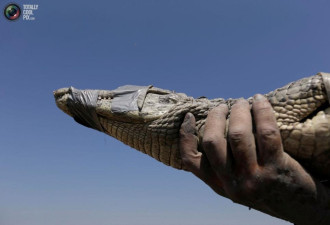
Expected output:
(301, 108)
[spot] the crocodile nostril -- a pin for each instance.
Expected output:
(60, 92)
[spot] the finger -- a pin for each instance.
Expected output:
(193, 160)
(188, 144)
(268, 136)
(241, 138)
(214, 141)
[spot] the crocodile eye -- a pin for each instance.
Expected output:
(168, 99)
(173, 99)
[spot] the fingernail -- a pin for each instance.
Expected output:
(187, 116)
(258, 97)
(241, 100)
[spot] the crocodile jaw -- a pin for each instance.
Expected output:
(129, 104)
(61, 97)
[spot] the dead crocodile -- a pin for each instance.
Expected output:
(148, 118)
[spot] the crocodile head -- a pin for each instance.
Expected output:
(132, 104)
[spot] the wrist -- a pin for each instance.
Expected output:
(317, 211)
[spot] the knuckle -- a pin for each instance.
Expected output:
(268, 132)
(211, 141)
(251, 187)
(248, 187)
(236, 135)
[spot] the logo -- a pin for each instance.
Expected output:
(12, 12)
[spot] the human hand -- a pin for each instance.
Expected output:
(251, 168)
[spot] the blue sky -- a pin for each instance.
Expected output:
(54, 171)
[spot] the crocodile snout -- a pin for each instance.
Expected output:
(61, 97)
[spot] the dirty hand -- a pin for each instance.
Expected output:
(250, 167)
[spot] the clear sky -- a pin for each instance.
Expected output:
(54, 171)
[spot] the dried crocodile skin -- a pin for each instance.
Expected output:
(301, 108)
